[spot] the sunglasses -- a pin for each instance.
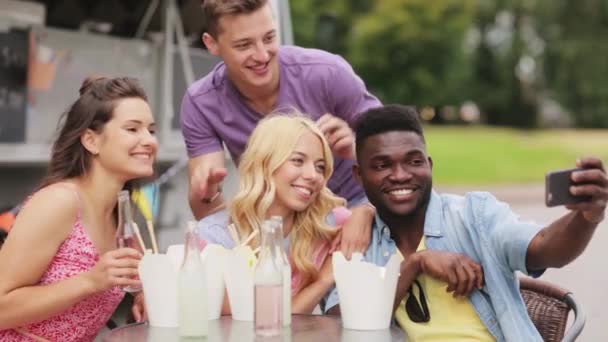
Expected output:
(417, 310)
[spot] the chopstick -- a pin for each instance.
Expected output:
(233, 233)
(250, 237)
(138, 235)
(150, 227)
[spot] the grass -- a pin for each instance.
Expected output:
(487, 155)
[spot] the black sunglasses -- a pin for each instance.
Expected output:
(417, 310)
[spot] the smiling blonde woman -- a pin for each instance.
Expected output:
(284, 171)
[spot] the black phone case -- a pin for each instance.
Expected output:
(557, 189)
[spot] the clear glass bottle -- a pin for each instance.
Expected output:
(125, 230)
(286, 266)
(192, 289)
(268, 284)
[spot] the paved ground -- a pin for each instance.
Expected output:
(587, 276)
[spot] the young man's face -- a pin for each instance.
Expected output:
(396, 172)
(248, 44)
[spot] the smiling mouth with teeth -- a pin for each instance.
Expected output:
(302, 190)
(401, 192)
(144, 156)
(259, 67)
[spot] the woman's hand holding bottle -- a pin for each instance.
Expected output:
(115, 268)
(128, 236)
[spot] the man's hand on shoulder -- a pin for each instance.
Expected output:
(339, 135)
(592, 182)
(356, 232)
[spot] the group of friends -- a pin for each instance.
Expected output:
(313, 146)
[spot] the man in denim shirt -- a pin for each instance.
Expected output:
(412, 219)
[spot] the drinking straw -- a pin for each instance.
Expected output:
(150, 227)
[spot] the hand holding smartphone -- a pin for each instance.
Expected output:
(557, 188)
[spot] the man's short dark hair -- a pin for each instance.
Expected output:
(213, 10)
(387, 119)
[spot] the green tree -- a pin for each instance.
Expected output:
(505, 98)
(407, 51)
(411, 51)
(576, 56)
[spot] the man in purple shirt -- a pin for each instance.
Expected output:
(255, 78)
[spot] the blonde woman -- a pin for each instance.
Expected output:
(284, 171)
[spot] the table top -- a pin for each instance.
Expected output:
(304, 328)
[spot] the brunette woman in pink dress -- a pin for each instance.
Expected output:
(61, 272)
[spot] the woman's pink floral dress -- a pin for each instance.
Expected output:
(84, 320)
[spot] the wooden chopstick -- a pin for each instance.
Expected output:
(150, 226)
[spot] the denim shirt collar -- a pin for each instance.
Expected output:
(379, 227)
(433, 222)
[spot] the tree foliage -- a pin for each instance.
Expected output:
(576, 56)
(507, 56)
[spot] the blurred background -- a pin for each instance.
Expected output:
(508, 89)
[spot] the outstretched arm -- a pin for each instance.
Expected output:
(565, 239)
(206, 174)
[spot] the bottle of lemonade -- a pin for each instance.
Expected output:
(191, 289)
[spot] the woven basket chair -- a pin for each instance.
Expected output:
(548, 306)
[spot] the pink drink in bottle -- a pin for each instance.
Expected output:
(125, 232)
(268, 284)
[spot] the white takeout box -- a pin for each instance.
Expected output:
(366, 291)
(213, 257)
(176, 255)
(238, 273)
(159, 279)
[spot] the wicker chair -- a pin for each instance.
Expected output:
(548, 306)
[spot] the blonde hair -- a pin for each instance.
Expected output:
(271, 144)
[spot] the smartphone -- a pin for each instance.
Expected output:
(557, 188)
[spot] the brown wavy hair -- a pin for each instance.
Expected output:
(92, 110)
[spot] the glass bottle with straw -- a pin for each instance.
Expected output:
(286, 267)
(268, 285)
(127, 233)
(192, 289)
